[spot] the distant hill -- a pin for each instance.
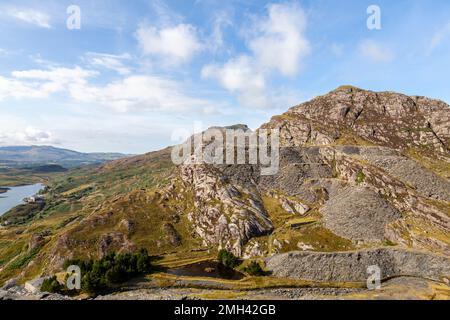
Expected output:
(20, 156)
(50, 168)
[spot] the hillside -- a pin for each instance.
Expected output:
(361, 172)
(15, 156)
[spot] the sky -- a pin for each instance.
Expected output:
(127, 76)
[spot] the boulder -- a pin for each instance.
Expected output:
(34, 286)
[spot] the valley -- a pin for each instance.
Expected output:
(15, 195)
(362, 180)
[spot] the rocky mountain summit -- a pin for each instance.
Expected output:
(382, 118)
(363, 178)
(345, 155)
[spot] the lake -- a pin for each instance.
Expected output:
(15, 195)
(209, 269)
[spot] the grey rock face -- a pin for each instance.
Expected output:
(406, 170)
(384, 118)
(9, 284)
(225, 214)
(228, 199)
(358, 213)
(352, 266)
(425, 182)
(367, 210)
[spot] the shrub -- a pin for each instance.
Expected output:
(228, 259)
(254, 269)
(24, 259)
(388, 242)
(51, 285)
(360, 177)
(111, 269)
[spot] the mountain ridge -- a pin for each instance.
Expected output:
(34, 154)
(394, 117)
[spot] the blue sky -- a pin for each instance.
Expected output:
(137, 72)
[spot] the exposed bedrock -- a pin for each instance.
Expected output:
(358, 213)
(352, 266)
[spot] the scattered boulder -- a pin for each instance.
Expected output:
(285, 204)
(304, 247)
(34, 286)
(3, 294)
(253, 249)
(9, 284)
(294, 207)
(300, 208)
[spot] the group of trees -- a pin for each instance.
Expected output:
(228, 259)
(254, 269)
(100, 274)
(97, 275)
(52, 285)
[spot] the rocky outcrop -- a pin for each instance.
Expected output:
(424, 182)
(114, 242)
(352, 266)
(383, 118)
(171, 234)
(37, 240)
(425, 222)
(363, 194)
(224, 214)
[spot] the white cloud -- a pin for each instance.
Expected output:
(34, 135)
(39, 83)
(240, 76)
(60, 75)
(376, 52)
(164, 14)
(37, 58)
(134, 92)
(139, 93)
(281, 43)
(277, 43)
(16, 89)
(439, 37)
(16, 131)
(173, 45)
(109, 61)
(221, 21)
(31, 16)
